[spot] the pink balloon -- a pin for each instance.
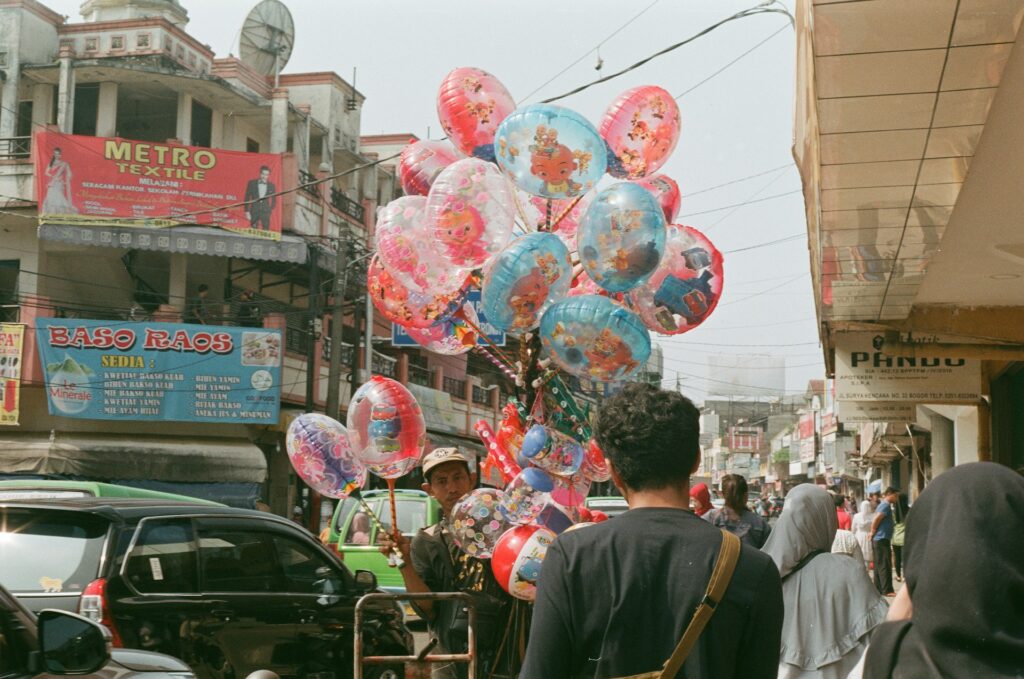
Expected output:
(404, 248)
(421, 162)
(471, 103)
(450, 337)
(685, 288)
(386, 427)
(641, 128)
(665, 189)
(406, 307)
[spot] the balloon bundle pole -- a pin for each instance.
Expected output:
(507, 371)
(547, 217)
(396, 553)
(519, 206)
(480, 333)
(394, 509)
(567, 210)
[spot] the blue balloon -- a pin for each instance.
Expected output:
(525, 279)
(550, 151)
(553, 451)
(534, 441)
(594, 338)
(621, 238)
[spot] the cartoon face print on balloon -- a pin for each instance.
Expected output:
(524, 279)
(459, 228)
(554, 163)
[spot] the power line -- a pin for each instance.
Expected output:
(736, 181)
(744, 203)
(716, 73)
(751, 197)
(784, 239)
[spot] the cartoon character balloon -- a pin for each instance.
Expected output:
(550, 151)
(386, 427)
(407, 307)
(641, 128)
(686, 286)
(526, 495)
(665, 191)
(622, 237)
(470, 212)
(594, 466)
(471, 103)
(421, 161)
(403, 245)
(594, 338)
(522, 281)
(518, 557)
(476, 522)
(319, 450)
(552, 450)
(453, 336)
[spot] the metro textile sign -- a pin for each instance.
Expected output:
(102, 181)
(104, 370)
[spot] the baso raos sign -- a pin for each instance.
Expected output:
(865, 373)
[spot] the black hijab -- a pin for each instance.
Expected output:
(964, 557)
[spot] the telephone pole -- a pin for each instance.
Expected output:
(337, 321)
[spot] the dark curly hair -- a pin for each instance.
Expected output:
(650, 435)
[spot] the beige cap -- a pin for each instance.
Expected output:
(440, 456)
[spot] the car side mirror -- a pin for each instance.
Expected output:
(71, 644)
(365, 581)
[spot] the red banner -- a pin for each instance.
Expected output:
(122, 182)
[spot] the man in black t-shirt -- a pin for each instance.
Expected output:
(614, 598)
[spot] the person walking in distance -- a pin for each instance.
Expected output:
(845, 521)
(735, 517)
(881, 541)
(196, 309)
(260, 200)
(616, 598)
(862, 521)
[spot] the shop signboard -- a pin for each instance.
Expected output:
(400, 337)
(12, 336)
(103, 181)
(807, 450)
(103, 370)
(864, 373)
(859, 412)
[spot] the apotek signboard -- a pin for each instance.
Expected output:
(101, 370)
(121, 182)
(864, 373)
(860, 412)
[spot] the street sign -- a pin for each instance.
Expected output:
(400, 338)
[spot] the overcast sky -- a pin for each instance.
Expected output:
(736, 124)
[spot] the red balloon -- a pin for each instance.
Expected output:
(421, 162)
(517, 558)
(471, 103)
(598, 516)
(594, 466)
(408, 308)
(586, 516)
(665, 189)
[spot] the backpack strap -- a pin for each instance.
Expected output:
(725, 564)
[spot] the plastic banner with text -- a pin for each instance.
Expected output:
(12, 336)
(103, 181)
(109, 370)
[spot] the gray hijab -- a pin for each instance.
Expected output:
(830, 601)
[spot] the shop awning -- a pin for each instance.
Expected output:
(197, 240)
(111, 457)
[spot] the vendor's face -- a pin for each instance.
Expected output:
(448, 483)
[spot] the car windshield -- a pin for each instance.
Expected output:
(49, 552)
(612, 507)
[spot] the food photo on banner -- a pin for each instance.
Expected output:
(121, 182)
(12, 337)
(101, 370)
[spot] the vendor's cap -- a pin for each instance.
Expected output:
(439, 456)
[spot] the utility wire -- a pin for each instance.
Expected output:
(736, 181)
(744, 203)
(716, 73)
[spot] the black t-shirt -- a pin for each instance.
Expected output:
(614, 599)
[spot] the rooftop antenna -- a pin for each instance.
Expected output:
(352, 103)
(268, 36)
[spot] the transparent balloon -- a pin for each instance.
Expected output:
(622, 237)
(409, 308)
(403, 245)
(453, 336)
(421, 162)
(594, 338)
(570, 494)
(471, 103)
(641, 128)
(526, 495)
(470, 212)
(321, 453)
(476, 522)
(665, 191)
(685, 288)
(518, 557)
(524, 279)
(552, 450)
(594, 466)
(562, 218)
(550, 151)
(386, 427)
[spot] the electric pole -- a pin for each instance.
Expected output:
(337, 325)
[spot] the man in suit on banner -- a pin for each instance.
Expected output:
(260, 200)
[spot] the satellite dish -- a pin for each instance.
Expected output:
(268, 35)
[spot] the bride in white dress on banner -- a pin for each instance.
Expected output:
(58, 190)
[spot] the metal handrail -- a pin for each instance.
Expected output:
(15, 147)
(358, 660)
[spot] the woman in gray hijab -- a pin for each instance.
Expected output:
(831, 604)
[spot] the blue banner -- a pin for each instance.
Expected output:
(400, 338)
(112, 370)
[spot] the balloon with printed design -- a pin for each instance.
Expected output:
(552, 450)
(622, 237)
(321, 453)
(451, 337)
(471, 103)
(594, 338)
(685, 288)
(497, 455)
(518, 557)
(477, 522)
(641, 128)
(470, 212)
(386, 427)
(594, 466)
(665, 191)
(409, 308)
(526, 495)
(550, 151)
(570, 494)
(421, 162)
(562, 219)
(403, 245)
(524, 279)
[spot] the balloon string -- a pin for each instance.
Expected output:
(547, 217)
(508, 372)
(519, 206)
(394, 509)
(559, 218)
(395, 551)
(480, 333)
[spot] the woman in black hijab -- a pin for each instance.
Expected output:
(964, 562)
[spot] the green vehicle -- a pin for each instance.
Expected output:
(49, 489)
(355, 536)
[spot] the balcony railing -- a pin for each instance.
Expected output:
(421, 376)
(346, 352)
(15, 147)
(481, 396)
(456, 388)
(347, 205)
(306, 178)
(384, 365)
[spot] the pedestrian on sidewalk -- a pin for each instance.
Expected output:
(735, 517)
(614, 599)
(881, 541)
(862, 521)
(844, 519)
(899, 515)
(965, 578)
(831, 605)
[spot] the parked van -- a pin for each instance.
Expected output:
(51, 489)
